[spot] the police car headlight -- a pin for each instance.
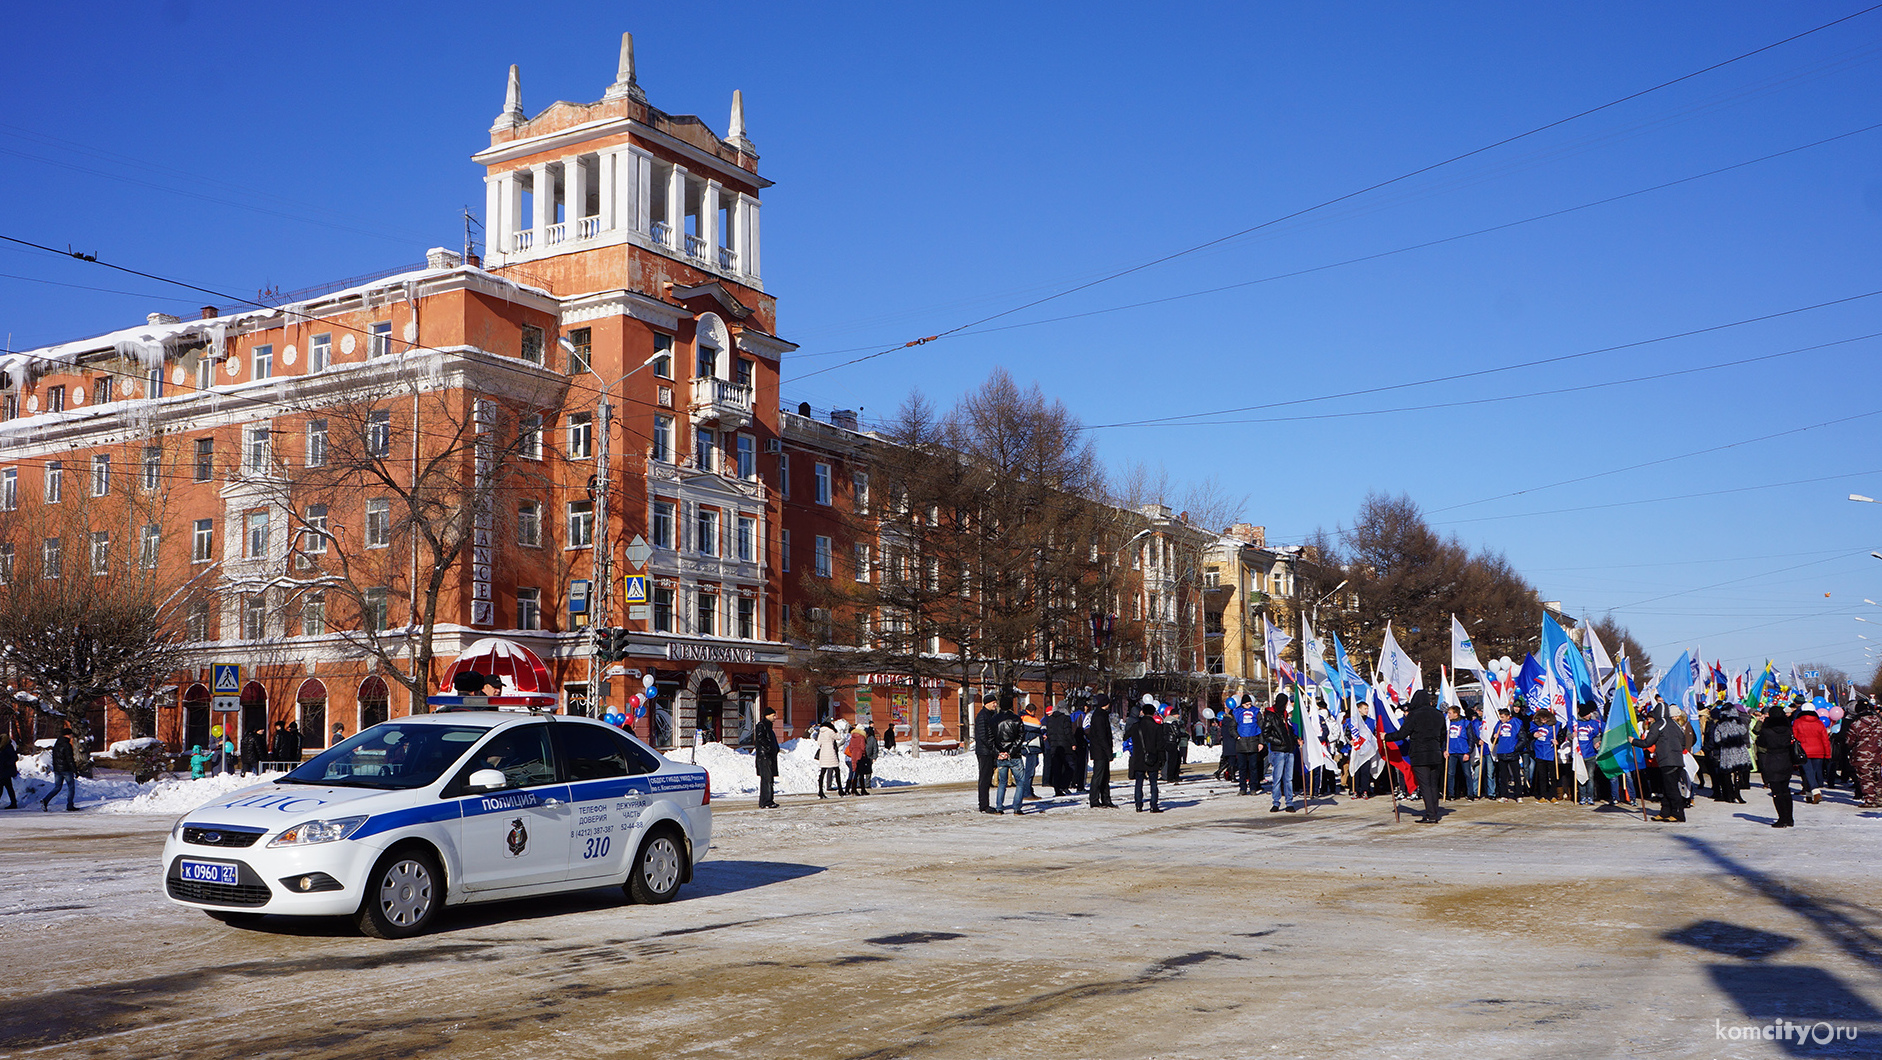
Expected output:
(318, 832)
(176, 830)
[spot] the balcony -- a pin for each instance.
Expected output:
(728, 259)
(555, 234)
(588, 228)
(521, 242)
(662, 233)
(723, 402)
(695, 247)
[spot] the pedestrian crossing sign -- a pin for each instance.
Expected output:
(228, 679)
(634, 588)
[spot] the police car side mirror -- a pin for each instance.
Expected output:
(486, 780)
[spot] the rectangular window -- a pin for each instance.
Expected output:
(662, 439)
(581, 524)
(823, 483)
(581, 434)
(101, 552)
(705, 361)
(205, 371)
(747, 618)
(264, 362)
(529, 437)
(662, 524)
(9, 489)
(529, 609)
(784, 475)
(379, 433)
(101, 475)
(859, 484)
(784, 550)
(374, 611)
(147, 548)
(256, 540)
(529, 524)
(55, 399)
(205, 459)
(320, 352)
(6, 563)
(745, 370)
(203, 541)
(747, 457)
(316, 443)
(153, 383)
(55, 481)
(378, 523)
(531, 346)
(822, 566)
(663, 361)
(257, 449)
(862, 562)
(153, 468)
(314, 534)
(196, 622)
(706, 532)
(314, 615)
(378, 339)
(580, 344)
(254, 617)
(101, 389)
(50, 557)
(747, 539)
(702, 449)
(662, 609)
(13, 407)
(706, 617)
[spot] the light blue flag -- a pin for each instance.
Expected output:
(1565, 660)
(1349, 678)
(1676, 686)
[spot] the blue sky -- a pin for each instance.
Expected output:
(940, 164)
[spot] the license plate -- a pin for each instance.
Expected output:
(208, 872)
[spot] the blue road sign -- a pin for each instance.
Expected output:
(634, 588)
(228, 680)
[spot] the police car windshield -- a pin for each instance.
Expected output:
(389, 755)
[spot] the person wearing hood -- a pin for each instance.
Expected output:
(1863, 731)
(830, 757)
(1727, 746)
(1097, 728)
(1669, 744)
(254, 749)
(1809, 734)
(1775, 764)
(1283, 746)
(1422, 738)
(765, 757)
(1147, 750)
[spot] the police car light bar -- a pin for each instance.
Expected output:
(524, 701)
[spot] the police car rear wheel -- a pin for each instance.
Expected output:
(657, 870)
(402, 895)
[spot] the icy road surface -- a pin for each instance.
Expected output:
(906, 924)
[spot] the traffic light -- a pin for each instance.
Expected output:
(610, 643)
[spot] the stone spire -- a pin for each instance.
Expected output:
(512, 115)
(735, 131)
(625, 86)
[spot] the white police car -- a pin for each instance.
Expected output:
(415, 814)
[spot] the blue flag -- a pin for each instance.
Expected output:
(1565, 660)
(1354, 685)
(1529, 680)
(1676, 686)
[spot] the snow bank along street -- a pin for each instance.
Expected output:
(909, 925)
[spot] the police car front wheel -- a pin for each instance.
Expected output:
(403, 895)
(657, 869)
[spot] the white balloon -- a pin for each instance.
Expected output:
(646, 680)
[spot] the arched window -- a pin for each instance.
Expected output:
(311, 702)
(375, 703)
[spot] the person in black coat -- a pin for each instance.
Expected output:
(765, 757)
(291, 744)
(1059, 731)
(9, 768)
(254, 749)
(1098, 747)
(278, 743)
(1669, 745)
(64, 772)
(984, 751)
(1774, 762)
(1175, 746)
(1422, 738)
(1147, 751)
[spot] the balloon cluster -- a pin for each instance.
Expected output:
(640, 702)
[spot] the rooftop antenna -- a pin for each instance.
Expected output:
(469, 243)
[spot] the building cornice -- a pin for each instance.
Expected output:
(588, 132)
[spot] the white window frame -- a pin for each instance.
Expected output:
(100, 552)
(262, 358)
(706, 531)
(747, 461)
(10, 489)
(823, 482)
(529, 444)
(821, 562)
(378, 523)
(203, 541)
(746, 541)
(581, 524)
(378, 339)
(662, 450)
(320, 352)
(529, 524)
(528, 608)
(101, 474)
(147, 546)
(663, 512)
(153, 468)
(784, 550)
(255, 535)
(55, 481)
(316, 443)
(581, 435)
(379, 433)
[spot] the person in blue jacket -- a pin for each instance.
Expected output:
(1588, 739)
(1507, 748)
(1460, 735)
(1247, 717)
(1542, 737)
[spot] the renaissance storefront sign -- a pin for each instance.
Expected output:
(710, 653)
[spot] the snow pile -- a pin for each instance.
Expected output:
(175, 796)
(125, 747)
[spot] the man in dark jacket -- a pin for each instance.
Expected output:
(984, 751)
(64, 772)
(1277, 731)
(1009, 751)
(1059, 750)
(1098, 747)
(9, 768)
(1147, 751)
(254, 749)
(1422, 737)
(291, 744)
(765, 757)
(279, 743)
(1669, 745)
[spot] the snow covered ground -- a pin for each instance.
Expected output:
(907, 925)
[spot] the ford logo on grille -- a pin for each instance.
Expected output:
(212, 837)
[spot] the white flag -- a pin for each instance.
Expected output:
(1397, 669)
(1365, 744)
(1273, 640)
(1313, 655)
(1603, 666)
(1463, 652)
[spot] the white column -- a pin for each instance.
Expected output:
(640, 180)
(607, 169)
(575, 187)
(511, 211)
(542, 202)
(709, 223)
(676, 207)
(748, 255)
(494, 236)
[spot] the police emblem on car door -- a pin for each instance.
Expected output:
(518, 839)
